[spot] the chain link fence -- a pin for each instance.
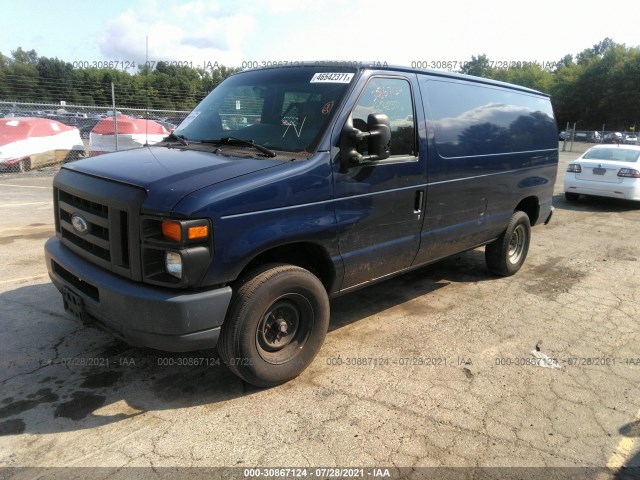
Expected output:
(571, 135)
(39, 137)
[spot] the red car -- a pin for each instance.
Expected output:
(30, 142)
(132, 133)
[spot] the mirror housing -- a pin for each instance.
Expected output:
(378, 137)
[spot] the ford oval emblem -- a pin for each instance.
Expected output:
(80, 225)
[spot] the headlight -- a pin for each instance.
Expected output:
(173, 264)
(175, 252)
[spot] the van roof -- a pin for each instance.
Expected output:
(362, 66)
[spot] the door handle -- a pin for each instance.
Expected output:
(417, 207)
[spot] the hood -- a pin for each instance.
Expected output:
(168, 174)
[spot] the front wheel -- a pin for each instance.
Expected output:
(507, 253)
(276, 324)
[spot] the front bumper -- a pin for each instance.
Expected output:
(141, 315)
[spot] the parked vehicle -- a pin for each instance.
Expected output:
(70, 120)
(591, 137)
(21, 113)
(604, 171)
(581, 136)
(631, 139)
(30, 142)
(176, 119)
(344, 177)
(168, 126)
(131, 133)
(85, 125)
(613, 137)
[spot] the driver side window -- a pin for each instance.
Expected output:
(391, 96)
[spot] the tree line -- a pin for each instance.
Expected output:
(27, 77)
(600, 85)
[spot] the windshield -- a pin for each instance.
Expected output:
(284, 109)
(615, 154)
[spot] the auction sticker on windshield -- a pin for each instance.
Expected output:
(332, 78)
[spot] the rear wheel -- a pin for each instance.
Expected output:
(572, 197)
(276, 324)
(506, 255)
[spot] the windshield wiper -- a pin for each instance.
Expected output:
(182, 140)
(241, 141)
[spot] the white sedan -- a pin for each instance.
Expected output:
(605, 171)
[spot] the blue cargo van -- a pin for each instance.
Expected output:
(288, 186)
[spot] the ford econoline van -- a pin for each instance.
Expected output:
(288, 186)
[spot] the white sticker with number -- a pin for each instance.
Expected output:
(332, 78)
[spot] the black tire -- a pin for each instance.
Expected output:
(508, 252)
(572, 197)
(272, 300)
(24, 165)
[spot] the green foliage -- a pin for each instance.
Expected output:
(26, 77)
(531, 76)
(601, 86)
(478, 66)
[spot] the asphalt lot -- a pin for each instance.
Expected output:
(454, 382)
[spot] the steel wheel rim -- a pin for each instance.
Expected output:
(517, 244)
(284, 328)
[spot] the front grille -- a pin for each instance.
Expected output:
(108, 232)
(106, 241)
(96, 240)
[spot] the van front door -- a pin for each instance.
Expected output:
(379, 205)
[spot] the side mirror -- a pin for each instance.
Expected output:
(378, 138)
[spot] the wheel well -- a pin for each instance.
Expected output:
(304, 254)
(531, 207)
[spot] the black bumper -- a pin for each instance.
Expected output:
(143, 316)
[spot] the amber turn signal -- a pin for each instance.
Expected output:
(201, 231)
(172, 230)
